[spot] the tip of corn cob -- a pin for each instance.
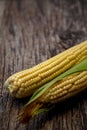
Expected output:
(8, 85)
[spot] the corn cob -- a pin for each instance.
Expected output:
(66, 88)
(26, 82)
(67, 85)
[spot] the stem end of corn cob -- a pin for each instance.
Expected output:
(29, 111)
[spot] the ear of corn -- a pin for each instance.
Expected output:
(26, 82)
(62, 87)
(67, 88)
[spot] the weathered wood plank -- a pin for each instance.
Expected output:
(33, 31)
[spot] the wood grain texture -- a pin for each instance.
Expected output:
(32, 31)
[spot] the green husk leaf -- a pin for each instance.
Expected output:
(82, 66)
(45, 109)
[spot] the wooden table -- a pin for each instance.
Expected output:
(32, 31)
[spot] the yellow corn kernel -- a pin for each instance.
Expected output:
(24, 83)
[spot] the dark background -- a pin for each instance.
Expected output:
(32, 31)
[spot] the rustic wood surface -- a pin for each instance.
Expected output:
(32, 31)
